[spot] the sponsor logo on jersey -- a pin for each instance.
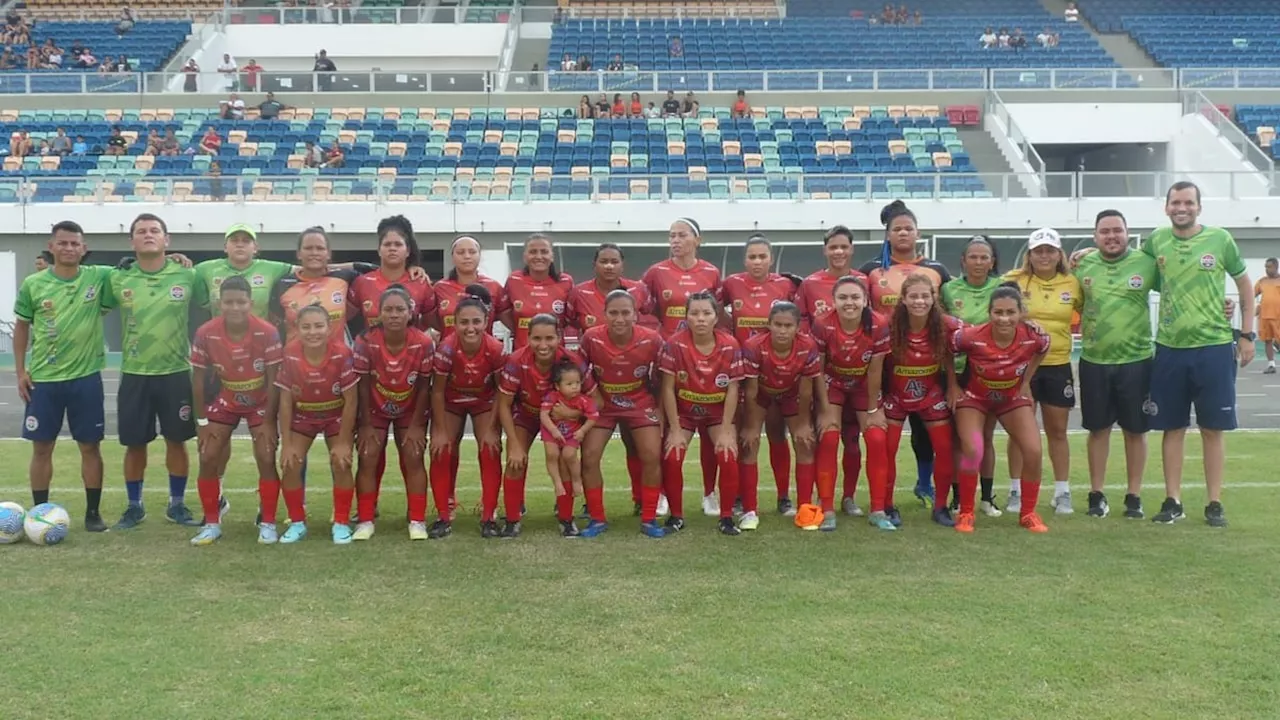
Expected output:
(257, 281)
(177, 292)
(701, 398)
(557, 307)
(90, 293)
(259, 365)
(722, 380)
(1135, 282)
(337, 297)
(641, 371)
(1065, 296)
(1208, 261)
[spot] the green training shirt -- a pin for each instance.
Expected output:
(1115, 324)
(153, 313)
(261, 274)
(66, 323)
(1193, 275)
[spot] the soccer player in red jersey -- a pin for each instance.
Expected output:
(1003, 354)
(749, 297)
(244, 354)
(314, 282)
(919, 362)
(453, 289)
(537, 289)
(317, 383)
(814, 299)
(701, 369)
(782, 367)
(855, 341)
(466, 366)
(586, 300)
(561, 439)
(398, 257)
(670, 283)
(394, 364)
(624, 359)
(524, 381)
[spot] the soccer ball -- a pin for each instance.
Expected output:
(11, 517)
(47, 524)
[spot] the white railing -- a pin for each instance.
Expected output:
(1194, 101)
(996, 109)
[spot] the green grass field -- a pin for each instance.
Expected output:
(1098, 619)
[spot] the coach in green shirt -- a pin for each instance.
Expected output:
(59, 312)
(1195, 359)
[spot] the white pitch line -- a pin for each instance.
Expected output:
(1240, 395)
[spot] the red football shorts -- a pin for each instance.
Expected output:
(227, 415)
(631, 418)
(312, 428)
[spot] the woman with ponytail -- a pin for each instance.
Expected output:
(854, 341)
(466, 366)
(670, 284)
(451, 291)
(537, 289)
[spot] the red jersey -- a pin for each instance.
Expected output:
(781, 375)
(526, 297)
(317, 389)
(521, 379)
(623, 374)
(815, 294)
(994, 372)
(701, 380)
(395, 377)
(582, 403)
(916, 381)
(330, 292)
(241, 365)
(849, 354)
(749, 301)
(448, 292)
(366, 291)
(469, 379)
(885, 284)
(670, 287)
(586, 303)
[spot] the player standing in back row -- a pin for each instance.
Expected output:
(1267, 291)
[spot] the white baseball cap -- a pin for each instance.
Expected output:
(1044, 236)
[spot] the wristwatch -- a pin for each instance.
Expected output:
(1251, 337)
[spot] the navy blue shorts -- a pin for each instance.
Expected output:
(1204, 377)
(79, 401)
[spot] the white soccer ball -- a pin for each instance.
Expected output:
(11, 517)
(47, 524)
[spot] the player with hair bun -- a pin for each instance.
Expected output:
(536, 289)
(467, 362)
(454, 288)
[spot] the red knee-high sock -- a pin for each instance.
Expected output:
(649, 503)
(673, 481)
(729, 480)
(269, 500)
(968, 487)
(490, 482)
(877, 468)
(828, 447)
(382, 470)
(893, 438)
(1030, 488)
(852, 463)
(293, 504)
(806, 474)
(366, 504)
(418, 507)
(210, 490)
(595, 503)
(780, 462)
(749, 487)
(442, 482)
(635, 471)
(944, 469)
(342, 498)
(564, 504)
(455, 458)
(513, 495)
(707, 457)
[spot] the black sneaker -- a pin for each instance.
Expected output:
(785, 507)
(635, 511)
(568, 529)
(1133, 507)
(585, 514)
(941, 516)
(511, 530)
(440, 529)
(489, 529)
(674, 524)
(894, 516)
(728, 528)
(132, 518)
(1098, 506)
(1170, 512)
(93, 522)
(1214, 516)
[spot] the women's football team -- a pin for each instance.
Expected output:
(825, 361)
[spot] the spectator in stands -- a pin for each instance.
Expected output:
(585, 110)
(740, 107)
(232, 108)
(603, 107)
(619, 109)
(637, 107)
(312, 157)
(124, 65)
(117, 144)
(676, 48)
(191, 76)
(229, 71)
(1002, 39)
(211, 142)
(20, 144)
(325, 66)
(86, 59)
(1072, 13)
(8, 60)
(215, 181)
(18, 33)
(33, 58)
(1047, 38)
(80, 147)
(125, 21)
(335, 158)
(50, 55)
(61, 143)
(919, 19)
(903, 15)
(169, 145)
(887, 15)
(1018, 41)
(689, 108)
(108, 65)
(45, 148)
(270, 108)
(567, 64)
(988, 39)
(671, 106)
(251, 71)
(584, 63)
(615, 65)
(652, 111)
(535, 77)
(77, 48)
(153, 142)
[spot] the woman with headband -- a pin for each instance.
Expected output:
(454, 288)
(670, 283)
(536, 289)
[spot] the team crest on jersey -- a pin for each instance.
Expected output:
(557, 307)
(1135, 282)
(1065, 296)
(1087, 282)
(518, 305)
(884, 282)
(298, 391)
(591, 320)
(737, 304)
(682, 376)
(368, 305)
(722, 381)
(47, 304)
(641, 372)
(1160, 261)
(959, 304)
(1208, 261)
(126, 293)
(336, 297)
(337, 388)
(90, 293)
(866, 357)
(184, 413)
(257, 281)
(258, 365)
(444, 304)
(666, 294)
(177, 292)
(413, 377)
(217, 282)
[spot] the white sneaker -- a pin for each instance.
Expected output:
(850, 507)
(664, 508)
(749, 521)
(1062, 504)
(1014, 503)
(990, 510)
(363, 531)
(711, 506)
(417, 530)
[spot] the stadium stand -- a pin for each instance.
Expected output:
(515, 154)
(669, 9)
(1259, 122)
(110, 9)
(148, 46)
